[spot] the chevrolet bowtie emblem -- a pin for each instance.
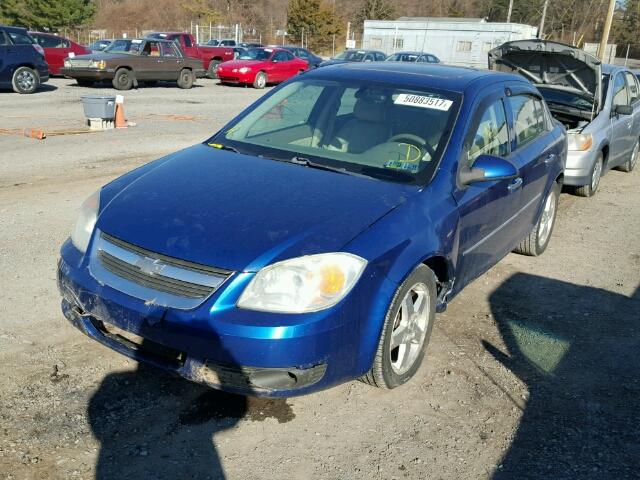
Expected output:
(150, 266)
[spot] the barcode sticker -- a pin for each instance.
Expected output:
(434, 103)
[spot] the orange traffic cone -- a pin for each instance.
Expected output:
(120, 121)
(33, 133)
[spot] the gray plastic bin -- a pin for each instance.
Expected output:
(99, 106)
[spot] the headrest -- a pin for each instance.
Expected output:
(368, 111)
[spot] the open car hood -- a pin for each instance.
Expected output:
(549, 64)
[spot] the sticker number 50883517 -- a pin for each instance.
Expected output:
(422, 101)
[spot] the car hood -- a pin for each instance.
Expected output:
(242, 63)
(101, 56)
(240, 212)
(551, 65)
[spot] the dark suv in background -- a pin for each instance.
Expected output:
(22, 64)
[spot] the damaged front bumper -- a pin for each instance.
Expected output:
(224, 347)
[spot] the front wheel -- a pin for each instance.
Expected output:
(185, 80)
(589, 190)
(633, 159)
(406, 331)
(25, 80)
(123, 79)
(537, 241)
(260, 81)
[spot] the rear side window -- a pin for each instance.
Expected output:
(528, 118)
(20, 39)
(491, 137)
(620, 95)
(632, 82)
(187, 41)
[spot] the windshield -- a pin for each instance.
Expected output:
(563, 97)
(124, 46)
(351, 55)
(256, 54)
(379, 130)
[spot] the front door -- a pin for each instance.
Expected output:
(487, 209)
(621, 125)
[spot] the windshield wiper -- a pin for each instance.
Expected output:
(305, 162)
(220, 146)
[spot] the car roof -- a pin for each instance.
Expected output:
(419, 74)
(412, 53)
(46, 34)
(13, 29)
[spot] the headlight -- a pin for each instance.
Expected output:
(86, 222)
(101, 64)
(67, 63)
(244, 69)
(579, 142)
(303, 284)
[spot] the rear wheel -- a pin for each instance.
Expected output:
(260, 81)
(631, 163)
(212, 70)
(123, 79)
(536, 242)
(589, 190)
(185, 80)
(406, 331)
(25, 80)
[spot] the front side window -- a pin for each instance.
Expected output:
(528, 118)
(620, 95)
(168, 50)
(491, 137)
(382, 130)
(632, 83)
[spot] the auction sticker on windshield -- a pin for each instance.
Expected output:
(423, 101)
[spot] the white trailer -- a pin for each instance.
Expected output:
(455, 41)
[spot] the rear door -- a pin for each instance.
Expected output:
(621, 125)
(487, 209)
(5, 46)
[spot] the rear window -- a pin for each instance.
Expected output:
(46, 41)
(20, 39)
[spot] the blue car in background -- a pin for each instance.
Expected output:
(312, 240)
(22, 64)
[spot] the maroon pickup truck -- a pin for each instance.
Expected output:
(210, 56)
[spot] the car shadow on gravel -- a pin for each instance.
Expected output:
(577, 348)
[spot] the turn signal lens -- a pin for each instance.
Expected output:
(332, 280)
(579, 142)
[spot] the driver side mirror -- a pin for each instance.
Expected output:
(487, 168)
(623, 110)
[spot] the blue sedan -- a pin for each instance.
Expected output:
(312, 240)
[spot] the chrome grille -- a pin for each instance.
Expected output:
(79, 63)
(151, 276)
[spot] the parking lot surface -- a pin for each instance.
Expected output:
(532, 372)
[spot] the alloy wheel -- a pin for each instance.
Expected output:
(595, 176)
(546, 221)
(25, 80)
(409, 328)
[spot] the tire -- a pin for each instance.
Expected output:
(85, 83)
(25, 80)
(185, 79)
(261, 81)
(630, 164)
(538, 239)
(212, 70)
(589, 190)
(388, 369)
(123, 79)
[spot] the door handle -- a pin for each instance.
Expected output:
(516, 184)
(550, 158)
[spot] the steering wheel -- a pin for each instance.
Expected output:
(414, 140)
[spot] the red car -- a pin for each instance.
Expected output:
(56, 49)
(259, 66)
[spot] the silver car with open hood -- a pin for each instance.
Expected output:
(598, 104)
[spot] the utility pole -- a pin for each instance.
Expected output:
(602, 51)
(509, 11)
(544, 15)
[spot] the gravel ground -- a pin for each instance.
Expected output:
(533, 371)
